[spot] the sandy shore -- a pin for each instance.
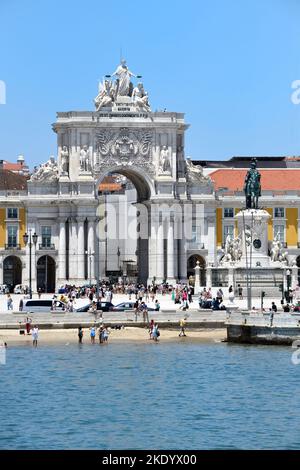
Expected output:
(129, 334)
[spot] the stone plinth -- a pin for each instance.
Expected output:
(253, 229)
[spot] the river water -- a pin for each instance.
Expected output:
(150, 396)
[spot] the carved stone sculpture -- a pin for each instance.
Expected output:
(277, 253)
(194, 173)
(105, 96)
(232, 251)
(164, 162)
(124, 85)
(46, 172)
(124, 147)
(84, 159)
(140, 97)
(64, 159)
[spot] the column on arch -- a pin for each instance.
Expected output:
(160, 249)
(80, 247)
(73, 254)
(91, 247)
(182, 245)
(62, 250)
(171, 250)
(152, 247)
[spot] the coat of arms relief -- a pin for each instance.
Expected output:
(124, 148)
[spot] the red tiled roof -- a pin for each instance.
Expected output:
(109, 184)
(12, 181)
(271, 180)
(12, 166)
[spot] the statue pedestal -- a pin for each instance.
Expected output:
(253, 228)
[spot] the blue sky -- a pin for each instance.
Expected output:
(228, 64)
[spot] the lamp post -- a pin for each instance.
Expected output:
(288, 284)
(90, 253)
(30, 240)
(119, 254)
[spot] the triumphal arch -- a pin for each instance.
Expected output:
(122, 135)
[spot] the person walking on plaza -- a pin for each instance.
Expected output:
(80, 334)
(274, 307)
(21, 305)
(144, 310)
(35, 336)
(136, 309)
(182, 324)
(240, 292)
(9, 302)
(157, 306)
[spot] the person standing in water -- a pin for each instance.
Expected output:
(80, 334)
(35, 336)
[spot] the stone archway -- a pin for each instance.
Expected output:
(12, 271)
(46, 274)
(191, 263)
(131, 252)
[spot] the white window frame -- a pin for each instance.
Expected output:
(228, 216)
(224, 231)
(283, 231)
(7, 234)
(276, 217)
(48, 245)
(12, 218)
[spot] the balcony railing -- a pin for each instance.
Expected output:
(196, 245)
(9, 246)
(51, 246)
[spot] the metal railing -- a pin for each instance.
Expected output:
(50, 246)
(10, 246)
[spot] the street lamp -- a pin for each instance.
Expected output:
(119, 254)
(288, 284)
(90, 253)
(30, 240)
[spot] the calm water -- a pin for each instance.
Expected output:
(155, 396)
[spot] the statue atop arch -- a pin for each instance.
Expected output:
(252, 186)
(121, 90)
(124, 86)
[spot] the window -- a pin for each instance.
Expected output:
(12, 213)
(46, 236)
(12, 235)
(195, 234)
(279, 232)
(228, 230)
(279, 212)
(228, 212)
